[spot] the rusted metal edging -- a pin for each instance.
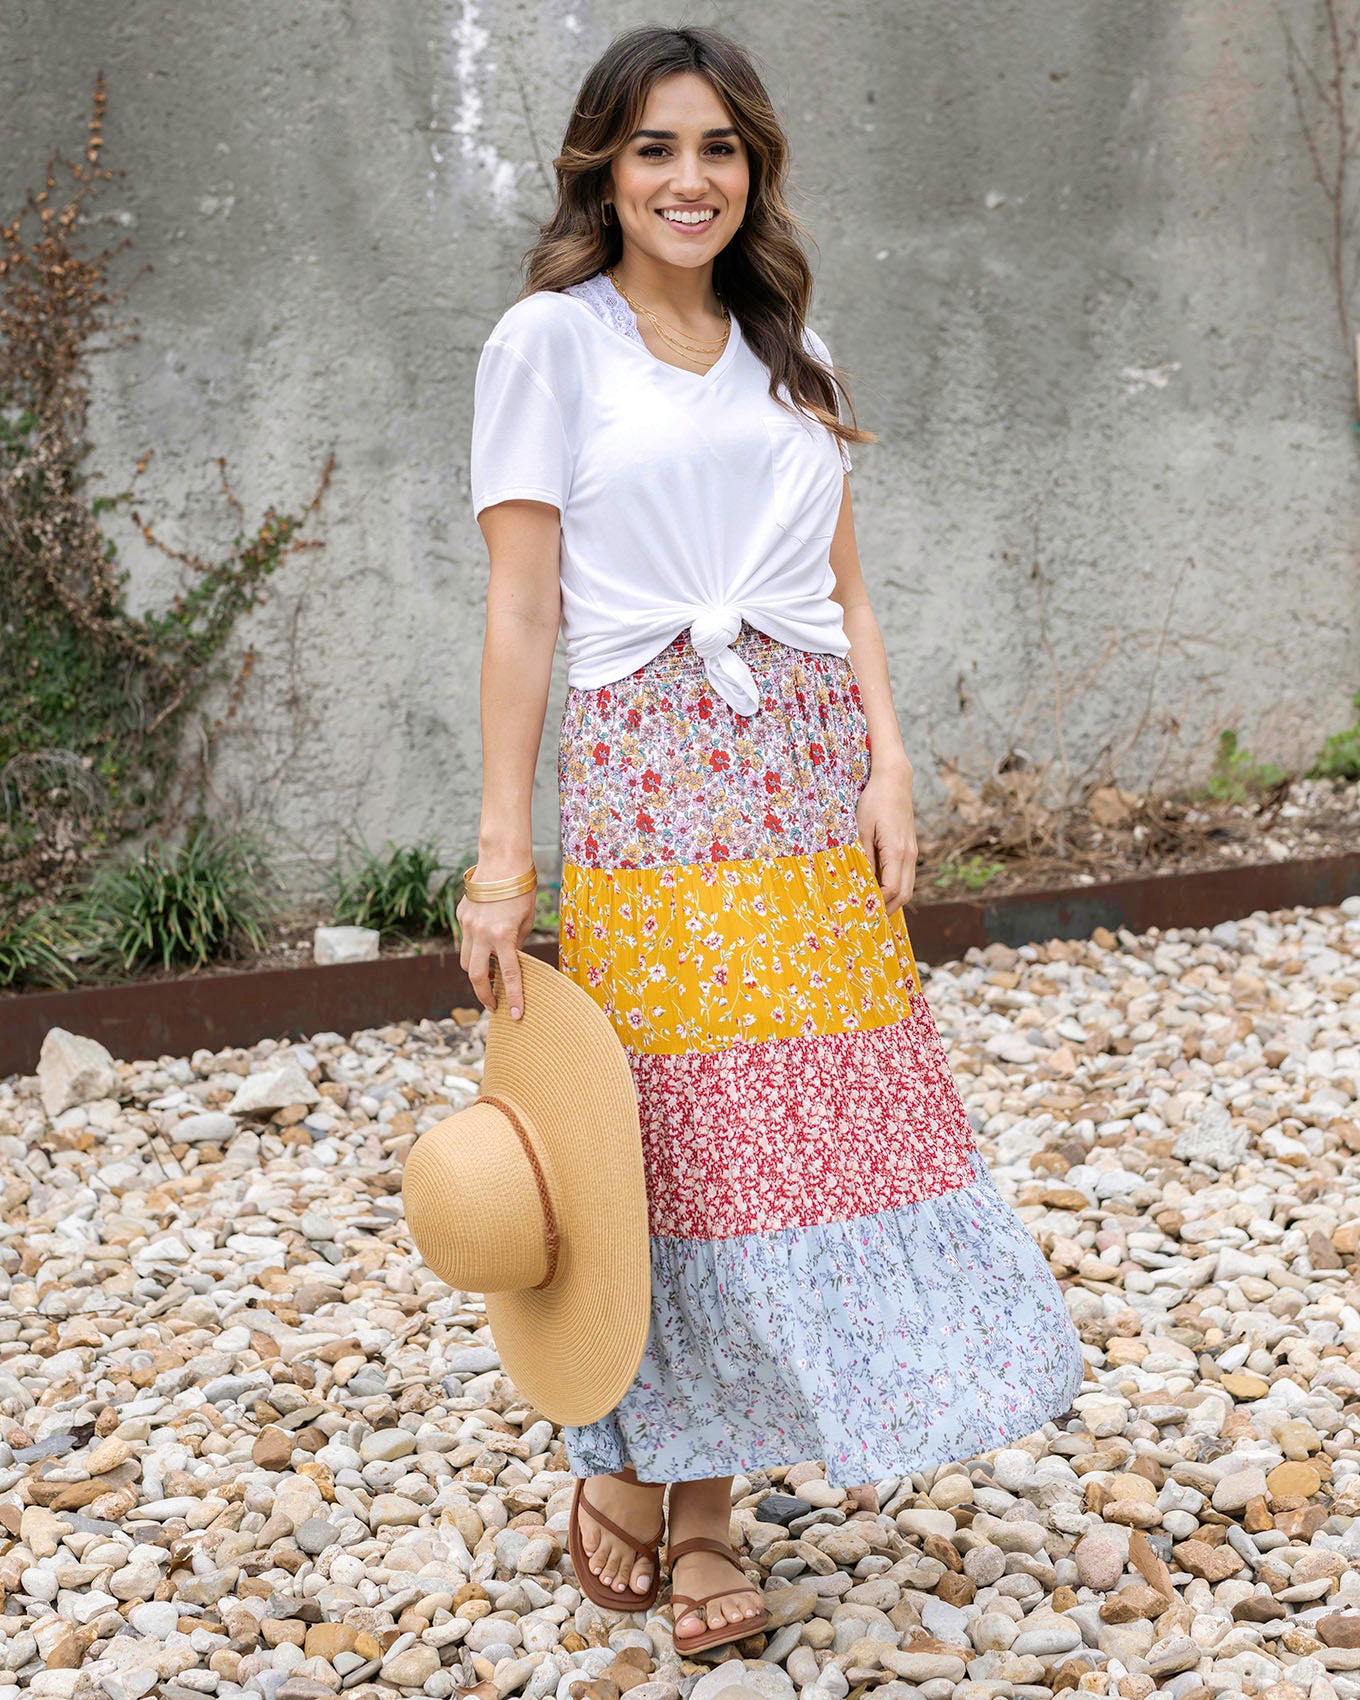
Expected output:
(155, 1018)
(942, 931)
(177, 1017)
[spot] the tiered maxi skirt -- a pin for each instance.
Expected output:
(834, 1274)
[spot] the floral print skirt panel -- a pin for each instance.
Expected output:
(834, 1274)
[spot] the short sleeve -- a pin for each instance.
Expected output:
(519, 444)
(821, 352)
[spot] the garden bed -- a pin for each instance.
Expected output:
(177, 1015)
(999, 838)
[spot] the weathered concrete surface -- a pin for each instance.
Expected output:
(1072, 258)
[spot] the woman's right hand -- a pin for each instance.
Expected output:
(496, 929)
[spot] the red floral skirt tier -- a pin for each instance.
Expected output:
(834, 1274)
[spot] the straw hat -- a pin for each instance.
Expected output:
(534, 1195)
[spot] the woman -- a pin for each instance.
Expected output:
(834, 1276)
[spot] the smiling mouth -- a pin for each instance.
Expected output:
(699, 219)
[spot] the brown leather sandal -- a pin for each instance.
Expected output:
(611, 1599)
(712, 1637)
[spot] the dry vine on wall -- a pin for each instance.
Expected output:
(103, 732)
(1325, 101)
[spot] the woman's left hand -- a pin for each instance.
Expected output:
(887, 830)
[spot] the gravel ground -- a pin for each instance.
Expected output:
(250, 1446)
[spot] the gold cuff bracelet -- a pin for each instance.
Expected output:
(490, 891)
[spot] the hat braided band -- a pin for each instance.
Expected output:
(512, 1115)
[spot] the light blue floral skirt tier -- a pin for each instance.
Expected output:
(834, 1274)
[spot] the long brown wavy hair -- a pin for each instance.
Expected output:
(762, 275)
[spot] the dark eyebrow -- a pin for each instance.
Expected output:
(670, 135)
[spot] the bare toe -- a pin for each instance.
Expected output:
(624, 1566)
(613, 1570)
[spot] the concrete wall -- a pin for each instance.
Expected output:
(1072, 257)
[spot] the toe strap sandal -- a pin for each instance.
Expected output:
(591, 1585)
(682, 1603)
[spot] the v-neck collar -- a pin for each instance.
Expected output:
(681, 372)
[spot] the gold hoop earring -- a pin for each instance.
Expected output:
(605, 208)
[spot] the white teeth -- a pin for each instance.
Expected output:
(687, 217)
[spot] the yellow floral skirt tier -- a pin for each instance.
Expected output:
(834, 1274)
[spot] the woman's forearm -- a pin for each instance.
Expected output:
(517, 654)
(523, 611)
(870, 662)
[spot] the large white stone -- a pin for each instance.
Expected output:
(1175, 1653)
(821, 1494)
(768, 1681)
(1211, 1138)
(1234, 1491)
(925, 1666)
(73, 1070)
(213, 1127)
(390, 1509)
(386, 1444)
(1010, 1047)
(345, 944)
(928, 1522)
(412, 1667)
(272, 1089)
(1046, 1638)
(129, 1683)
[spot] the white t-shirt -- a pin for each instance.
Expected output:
(686, 498)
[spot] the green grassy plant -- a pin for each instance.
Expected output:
(397, 890)
(34, 948)
(1339, 757)
(182, 907)
(1237, 775)
(971, 872)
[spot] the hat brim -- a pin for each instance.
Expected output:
(574, 1347)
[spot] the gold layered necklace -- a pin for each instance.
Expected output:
(694, 349)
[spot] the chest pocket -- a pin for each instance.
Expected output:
(806, 469)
